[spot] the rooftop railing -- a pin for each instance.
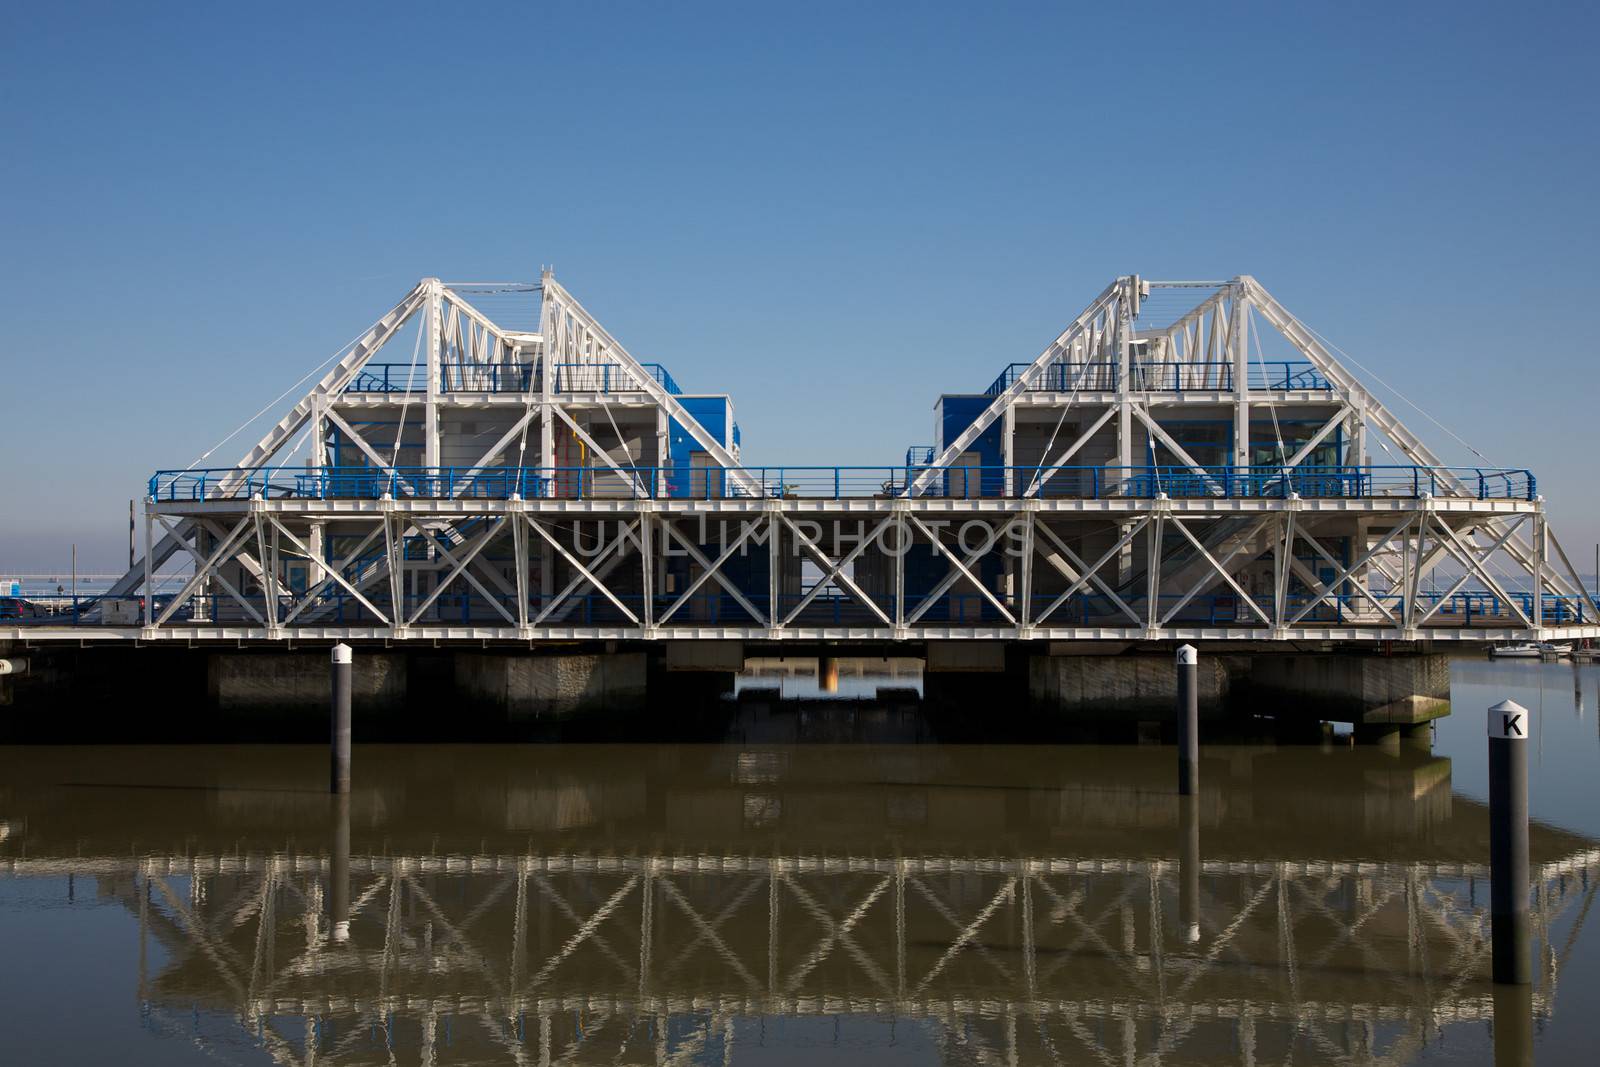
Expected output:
(505, 378)
(609, 378)
(453, 378)
(834, 483)
(1273, 375)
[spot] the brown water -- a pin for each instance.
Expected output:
(783, 903)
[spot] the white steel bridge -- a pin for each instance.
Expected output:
(1185, 461)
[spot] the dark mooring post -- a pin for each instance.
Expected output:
(339, 779)
(1188, 666)
(1508, 842)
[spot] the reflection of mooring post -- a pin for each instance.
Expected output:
(1189, 867)
(339, 780)
(340, 873)
(1513, 1026)
(1508, 842)
(1188, 666)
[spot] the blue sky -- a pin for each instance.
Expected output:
(832, 211)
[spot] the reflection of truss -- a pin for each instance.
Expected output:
(629, 958)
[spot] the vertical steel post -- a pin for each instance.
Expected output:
(339, 778)
(130, 535)
(1508, 842)
(149, 566)
(1188, 667)
(339, 872)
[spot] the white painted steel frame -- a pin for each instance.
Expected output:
(1217, 331)
(1419, 536)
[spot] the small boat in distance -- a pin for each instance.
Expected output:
(1530, 650)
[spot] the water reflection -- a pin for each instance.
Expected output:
(715, 904)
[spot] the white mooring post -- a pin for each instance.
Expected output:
(1508, 842)
(1188, 666)
(339, 779)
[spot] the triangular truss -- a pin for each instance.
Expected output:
(458, 346)
(1119, 354)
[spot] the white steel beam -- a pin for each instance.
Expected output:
(820, 558)
(1062, 345)
(572, 561)
(960, 568)
(710, 570)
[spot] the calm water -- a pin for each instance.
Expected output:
(769, 903)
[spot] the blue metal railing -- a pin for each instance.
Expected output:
(489, 378)
(505, 378)
(659, 373)
(390, 378)
(609, 378)
(1278, 375)
(454, 378)
(334, 606)
(833, 483)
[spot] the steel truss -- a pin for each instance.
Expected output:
(1202, 545)
(1016, 568)
(652, 958)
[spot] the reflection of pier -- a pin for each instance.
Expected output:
(1100, 921)
(1365, 958)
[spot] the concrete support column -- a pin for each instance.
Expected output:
(828, 674)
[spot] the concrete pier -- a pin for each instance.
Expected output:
(1387, 698)
(1136, 686)
(268, 682)
(554, 686)
(984, 691)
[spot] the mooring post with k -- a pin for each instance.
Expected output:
(1188, 667)
(1508, 842)
(339, 779)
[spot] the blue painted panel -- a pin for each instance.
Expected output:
(955, 413)
(711, 412)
